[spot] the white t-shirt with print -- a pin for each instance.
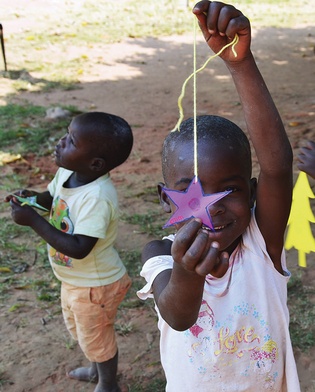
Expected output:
(240, 341)
(90, 210)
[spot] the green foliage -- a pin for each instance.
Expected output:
(280, 14)
(132, 262)
(47, 290)
(150, 223)
(95, 24)
(8, 233)
(156, 385)
(19, 243)
(10, 182)
(3, 378)
(302, 314)
(124, 328)
(106, 22)
(109, 21)
(15, 307)
(23, 128)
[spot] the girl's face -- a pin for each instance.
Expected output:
(220, 168)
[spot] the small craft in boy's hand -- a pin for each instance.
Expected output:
(192, 203)
(30, 201)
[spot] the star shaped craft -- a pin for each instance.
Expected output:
(192, 203)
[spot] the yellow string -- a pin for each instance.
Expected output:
(181, 112)
(195, 106)
(194, 75)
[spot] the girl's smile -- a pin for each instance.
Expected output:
(220, 170)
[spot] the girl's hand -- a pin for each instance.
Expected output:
(219, 24)
(195, 252)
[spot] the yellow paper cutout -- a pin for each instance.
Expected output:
(6, 157)
(299, 233)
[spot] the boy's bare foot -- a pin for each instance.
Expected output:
(84, 374)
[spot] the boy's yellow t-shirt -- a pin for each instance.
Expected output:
(90, 210)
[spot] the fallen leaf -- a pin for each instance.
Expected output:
(6, 157)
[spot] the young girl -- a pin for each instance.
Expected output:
(221, 291)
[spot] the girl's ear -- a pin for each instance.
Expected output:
(97, 164)
(164, 200)
(253, 188)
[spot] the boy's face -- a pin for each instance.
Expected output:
(73, 151)
(219, 169)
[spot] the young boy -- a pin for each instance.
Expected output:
(80, 235)
(306, 159)
(221, 293)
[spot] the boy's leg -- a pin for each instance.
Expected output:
(68, 295)
(94, 315)
(107, 375)
(103, 373)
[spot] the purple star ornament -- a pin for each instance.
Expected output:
(192, 203)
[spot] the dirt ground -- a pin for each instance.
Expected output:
(141, 80)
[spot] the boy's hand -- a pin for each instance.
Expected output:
(28, 197)
(22, 215)
(219, 24)
(21, 193)
(195, 252)
(306, 159)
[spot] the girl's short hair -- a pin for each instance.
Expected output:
(212, 129)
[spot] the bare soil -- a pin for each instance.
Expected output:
(141, 81)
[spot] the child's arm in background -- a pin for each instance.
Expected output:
(306, 159)
(219, 25)
(76, 246)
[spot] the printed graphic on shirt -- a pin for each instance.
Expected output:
(60, 219)
(242, 341)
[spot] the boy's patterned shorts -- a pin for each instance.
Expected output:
(89, 314)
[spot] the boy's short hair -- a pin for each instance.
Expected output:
(111, 136)
(214, 129)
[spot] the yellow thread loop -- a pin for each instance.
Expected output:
(181, 112)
